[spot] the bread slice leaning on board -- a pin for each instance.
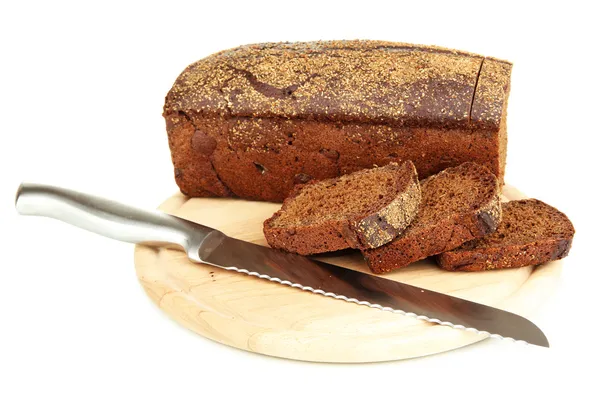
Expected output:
(253, 121)
(365, 209)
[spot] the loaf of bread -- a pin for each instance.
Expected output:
(253, 121)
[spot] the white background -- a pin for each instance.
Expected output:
(82, 89)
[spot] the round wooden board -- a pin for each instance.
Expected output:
(264, 317)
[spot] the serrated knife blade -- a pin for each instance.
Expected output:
(210, 246)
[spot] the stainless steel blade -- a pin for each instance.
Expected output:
(341, 283)
(204, 244)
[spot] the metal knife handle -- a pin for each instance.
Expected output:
(109, 218)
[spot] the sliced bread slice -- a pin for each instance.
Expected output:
(458, 204)
(361, 210)
(531, 233)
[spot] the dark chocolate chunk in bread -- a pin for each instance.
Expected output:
(361, 210)
(531, 233)
(458, 204)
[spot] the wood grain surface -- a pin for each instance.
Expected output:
(264, 317)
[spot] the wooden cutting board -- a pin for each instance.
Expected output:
(264, 317)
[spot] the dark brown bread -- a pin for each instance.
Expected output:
(253, 121)
(364, 209)
(458, 204)
(531, 233)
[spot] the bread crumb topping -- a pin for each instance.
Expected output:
(359, 80)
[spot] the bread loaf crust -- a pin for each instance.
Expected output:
(262, 114)
(383, 226)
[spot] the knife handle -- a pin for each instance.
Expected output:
(109, 218)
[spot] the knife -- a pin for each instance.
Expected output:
(210, 246)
